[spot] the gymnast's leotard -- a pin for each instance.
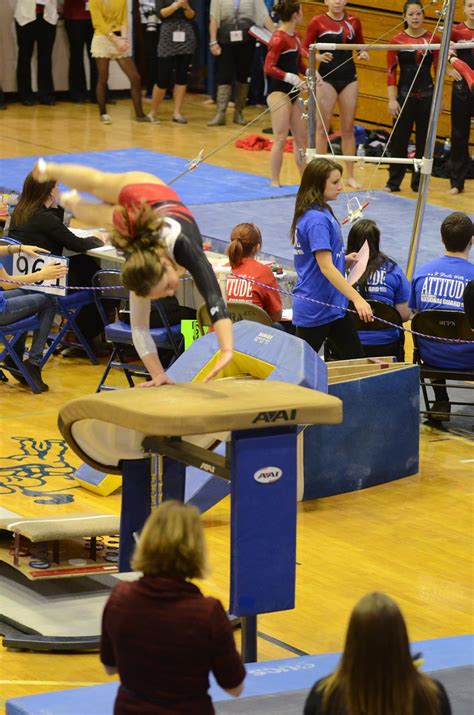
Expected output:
(284, 55)
(184, 245)
(409, 62)
(341, 69)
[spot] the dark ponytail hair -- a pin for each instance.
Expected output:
(32, 197)
(311, 191)
(244, 238)
(285, 9)
(137, 233)
(362, 231)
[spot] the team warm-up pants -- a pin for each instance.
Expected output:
(341, 333)
(80, 33)
(43, 33)
(462, 109)
(416, 112)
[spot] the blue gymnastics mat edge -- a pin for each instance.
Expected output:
(265, 678)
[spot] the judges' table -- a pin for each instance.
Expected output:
(117, 430)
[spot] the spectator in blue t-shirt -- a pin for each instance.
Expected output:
(321, 293)
(382, 280)
(440, 284)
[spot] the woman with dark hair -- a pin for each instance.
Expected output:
(38, 220)
(321, 293)
(160, 240)
(339, 78)
(382, 280)
(174, 56)
(376, 674)
(414, 95)
(283, 64)
(159, 633)
(245, 243)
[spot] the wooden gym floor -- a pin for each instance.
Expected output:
(412, 538)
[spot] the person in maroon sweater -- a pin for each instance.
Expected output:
(78, 24)
(462, 100)
(414, 91)
(283, 65)
(160, 634)
(338, 72)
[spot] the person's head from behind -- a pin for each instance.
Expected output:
(320, 183)
(34, 195)
(288, 10)
(172, 543)
(376, 673)
(361, 231)
(457, 232)
(245, 242)
(148, 271)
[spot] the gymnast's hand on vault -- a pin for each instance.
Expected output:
(161, 379)
(225, 357)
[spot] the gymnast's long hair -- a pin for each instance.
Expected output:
(244, 239)
(376, 673)
(172, 543)
(362, 231)
(137, 233)
(311, 191)
(32, 198)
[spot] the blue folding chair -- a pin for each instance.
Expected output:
(110, 295)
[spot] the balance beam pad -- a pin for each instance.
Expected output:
(108, 427)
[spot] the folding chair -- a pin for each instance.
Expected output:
(68, 307)
(450, 324)
(109, 296)
(238, 310)
(386, 312)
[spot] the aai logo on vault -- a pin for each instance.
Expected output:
(267, 475)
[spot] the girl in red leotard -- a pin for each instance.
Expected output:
(338, 73)
(283, 65)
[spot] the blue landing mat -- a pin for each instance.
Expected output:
(207, 184)
(265, 678)
(393, 215)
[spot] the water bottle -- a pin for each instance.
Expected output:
(361, 153)
(447, 146)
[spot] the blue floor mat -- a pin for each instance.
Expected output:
(207, 184)
(393, 215)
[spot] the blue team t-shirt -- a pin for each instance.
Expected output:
(317, 230)
(441, 284)
(389, 285)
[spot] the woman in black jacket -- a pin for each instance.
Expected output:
(37, 220)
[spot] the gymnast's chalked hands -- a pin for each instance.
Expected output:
(161, 379)
(225, 356)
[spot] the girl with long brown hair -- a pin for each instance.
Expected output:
(376, 674)
(159, 238)
(321, 293)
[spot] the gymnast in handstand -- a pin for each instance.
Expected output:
(159, 238)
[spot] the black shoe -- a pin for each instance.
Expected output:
(49, 101)
(440, 411)
(29, 102)
(10, 365)
(73, 351)
(35, 373)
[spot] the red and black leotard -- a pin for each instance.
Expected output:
(463, 33)
(284, 55)
(409, 61)
(323, 28)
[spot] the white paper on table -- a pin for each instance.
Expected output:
(83, 232)
(359, 267)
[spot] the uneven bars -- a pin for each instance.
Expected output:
(311, 154)
(332, 46)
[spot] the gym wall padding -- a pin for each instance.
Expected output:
(377, 441)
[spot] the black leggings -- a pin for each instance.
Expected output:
(341, 332)
(235, 61)
(181, 64)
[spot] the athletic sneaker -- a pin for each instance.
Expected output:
(144, 118)
(105, 119)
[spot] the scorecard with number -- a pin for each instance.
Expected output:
(23, 264)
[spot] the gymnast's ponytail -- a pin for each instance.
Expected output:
(244, 239)
(137, 233)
